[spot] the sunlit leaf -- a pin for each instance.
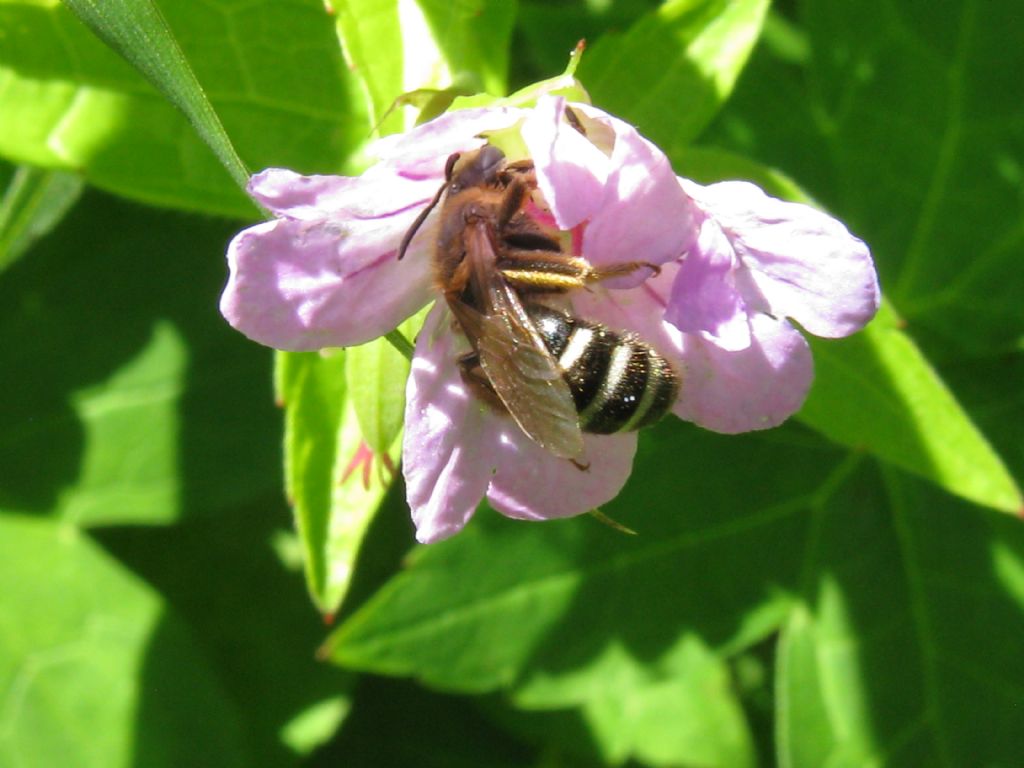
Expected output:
(70, 102)
(92, 662)
(672, 70)
(137, 30)
(34, 202)
(336, 479)
(122, 376)
(395, 48)
(518, 622)
(877, 392)
(906, 651)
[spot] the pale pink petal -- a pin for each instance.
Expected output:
(326, 272)
(308, 283)
(571, 171)
(755, 388)
(423, 151)
(457, 449)
(804, 263)
(645, 214)
(449, 448)
(704, 298)
(530, 484)
(375, 194)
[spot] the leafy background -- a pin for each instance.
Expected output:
(845, 590)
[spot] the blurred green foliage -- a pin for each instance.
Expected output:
(841, 590)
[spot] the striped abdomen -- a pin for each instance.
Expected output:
(618, 382)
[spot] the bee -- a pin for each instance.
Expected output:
(557, 375)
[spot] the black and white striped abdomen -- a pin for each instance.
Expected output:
(618, 382)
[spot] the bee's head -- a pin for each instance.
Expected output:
(473, 169)
(462, 171)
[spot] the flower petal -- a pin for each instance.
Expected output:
(645, 214)
(531, 484)
(704, 298)
(456, 450)
(803, 262)
(755, 388)
(448, 449)
(571, 171)
(739, 391)
(325, 273)
(424, 150)
(307, 283)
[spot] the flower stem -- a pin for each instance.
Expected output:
(399, 342)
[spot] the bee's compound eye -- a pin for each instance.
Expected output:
(490, 160)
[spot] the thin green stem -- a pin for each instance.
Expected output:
(399, 342)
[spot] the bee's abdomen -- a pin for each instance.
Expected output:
(618, 382)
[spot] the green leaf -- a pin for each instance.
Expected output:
(707, 165)
(316, 725)
(253, 621)
(905, 123)
(431, 45)
(336, 481)
(905, 651)
(70, 102)
(672, 70)
(312, 390)
(130, 424)
(546, 31)
(953, 264)
(517, 620)
(376, 374)
(630, 630)
(473, 37)
(681, 711)
(877, 392)
(365, 28)
(388, 730)
(95, 671)
(35, 201)
(138, 404)
(137, 30)
(128, 380)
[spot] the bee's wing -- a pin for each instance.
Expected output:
(523, 373)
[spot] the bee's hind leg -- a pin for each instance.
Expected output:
(596, 275)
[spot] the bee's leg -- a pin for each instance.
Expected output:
(512, 201)
(579, 466)
(548, 270)
(541, 271)
(596, 275)
(520, 169)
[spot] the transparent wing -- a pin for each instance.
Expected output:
(524, 374)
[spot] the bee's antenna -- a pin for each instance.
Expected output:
(411, 232)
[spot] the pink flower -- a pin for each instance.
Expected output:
(735, 264)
